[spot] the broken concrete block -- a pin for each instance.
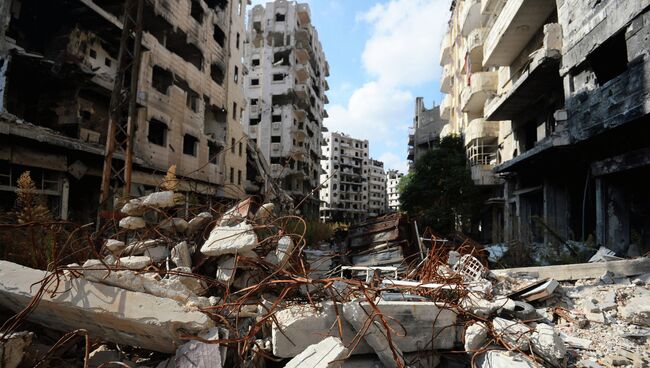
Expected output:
(548, 344)
(475, 336)
(134, 208)
(132, 223)
(637, 310)
(236, 214)
(375, 335)
(284, 249)
(264, 213)
(504, 359)
(199, 222)
(484, 308)
(181, 256)
(113, 314)
(137, 248)
(174, 225)
(12, 348)
(322, 355)
(157, 254)
(226, 269)
(159, 200)
(197, 354)
(194, 284)
(299, 326)
(135, 262)
(115, 246)
(230, 240)
(515, 334)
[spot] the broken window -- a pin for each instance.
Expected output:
(234, 110)
(276, 118)
(192, 100)
(255, 82)
(157, 132)
(213, 152)
(609, 60)
(255, 62)
(232, 175)
(196, 11)
(282, 58)
(190, 144)
(219, 36)
(280, 17)
(241, 148)
(276, 139)
(92, 54)
(177, 43)
(217, 74)
(238, 177)
(278, 77)
(236, 75)
(254, 101)
(161, 79)
(254, 121)
(232, 145)
(237, 42)
(107, 62)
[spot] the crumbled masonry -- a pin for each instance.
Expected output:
(246, 293)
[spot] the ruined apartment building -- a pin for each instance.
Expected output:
(377, 195)
(393, 178)
(346, 166)
(425, 132)
(285, 88)
(557, 92)
(57, 70)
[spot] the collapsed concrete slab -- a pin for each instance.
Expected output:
(300, 326)
(230, 240)
(322, 355)
(107, 312)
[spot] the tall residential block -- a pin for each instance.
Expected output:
(376, 188)
(58, 64)
(393, 178)
(552, 99)
(425, 132)
(285, 88)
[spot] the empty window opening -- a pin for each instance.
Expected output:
(157, 132)
(278, 77)
(192, 100)
(241, 149)
(196, 11)
(93, 54)
(280, 17)
(254, 101)
(190, 144)
(609, 60)
(236, 75)
(238, 177)
(213, 152)
(161, 79)
(219, 36)
(282, 58)
(255, 82)
(255, 62)
(237, 42)
(276, 139)
(234, 110)
(276, 118)
(232, 145)
(254, 121)
(217, 74)
(177, 43)
(107, 62)
(232, 176)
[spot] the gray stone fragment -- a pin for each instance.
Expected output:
(322, 355)
(199, 222)
(115, 246)
(159, 200)
(230, 240)
(475, 336)
(513, 333)
(197, 354)
(132, 223)
(174, 225)
(548, 344)
(13, 348)
(181, 256)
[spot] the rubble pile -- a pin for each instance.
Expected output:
(241, 288)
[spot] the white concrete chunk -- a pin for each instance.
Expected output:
(175, 224)
(137, 248)
(475, 336)
(230, 240)
(115, 246)
(196, 354)
(321, 355)
(107, 312)
(226, 269)
(548, 344)
(284, 249)
(135, 262)
(159, 200)
(637, 310)
(513, 333)
(157, 254)
(180, 255)
(264, 213)
(504, 359)
(132, 223)
(134, 208)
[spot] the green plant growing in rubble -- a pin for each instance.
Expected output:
(440, 192)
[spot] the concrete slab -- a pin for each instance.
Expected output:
(107, 312)
(322, 355)
(230, 240)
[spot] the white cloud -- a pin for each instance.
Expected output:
(402, 52)
(405, 42)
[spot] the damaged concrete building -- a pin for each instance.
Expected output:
(58, 64)
(425, 132)
(285, 88)
(393, 178)
(553, 97)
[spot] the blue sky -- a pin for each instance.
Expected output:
(382, 54)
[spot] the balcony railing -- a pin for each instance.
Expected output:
(481, 86)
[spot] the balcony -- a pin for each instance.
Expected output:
(301, 91)
(446, 107)
(299, 114)
(304, 14)
(482, 86)
(489, 7)
(411, 141)
(301, 73)
(481, 129)
(515, 26)
(470, 16)
(483, 175)
(446, 130)
(474, 44)
(299, 133)
(302, 56)
(445, 49)
(539, 77)
(326, 86)
(445, 84)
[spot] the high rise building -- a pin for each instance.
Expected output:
(425, 132)
(376, 188)
(56, 93)
(393, 178)
(285, 88)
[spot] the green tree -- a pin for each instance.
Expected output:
(440, 192)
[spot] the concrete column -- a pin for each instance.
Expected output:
(600, 212)
(617, 230)
(65, 198)
(507, 213)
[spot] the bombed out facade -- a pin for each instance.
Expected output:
(285, 88)
(553, 98)
(425, 132)
(58, 64)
